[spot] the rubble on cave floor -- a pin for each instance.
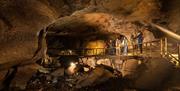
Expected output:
(60, 77)
(101, 78)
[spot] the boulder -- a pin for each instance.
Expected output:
(98, 75)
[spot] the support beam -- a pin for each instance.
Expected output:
(168, 32)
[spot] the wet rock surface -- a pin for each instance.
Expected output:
(133, 76)
(100, 78)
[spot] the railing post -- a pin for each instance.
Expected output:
(133, 49)
(150, 49)
(166, 50)
(96, 51)
(146, 49)
(91, 50)
(161, 41)
(179, 51)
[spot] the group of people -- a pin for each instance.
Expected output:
(119, 46)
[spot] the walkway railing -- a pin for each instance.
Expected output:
(172, 53)
(158, 48)
(148, 48)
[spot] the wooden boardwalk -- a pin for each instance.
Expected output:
(154, 49)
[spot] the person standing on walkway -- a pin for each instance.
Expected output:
(124, 45)
(118, 45)
(110, 47)
(114, 47)
(140, 41)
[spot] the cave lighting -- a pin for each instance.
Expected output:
(72, 68)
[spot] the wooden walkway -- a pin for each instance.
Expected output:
(151, 49)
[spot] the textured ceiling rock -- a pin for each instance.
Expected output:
(35, 14)
(146, 10)
(135, 9)
(102, 23)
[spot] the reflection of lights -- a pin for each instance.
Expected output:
(72, 67)
(175, 55)
(139, 62)
(72, 64)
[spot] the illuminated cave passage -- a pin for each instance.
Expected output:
(75, 32)
(80, 32)
(50, 45)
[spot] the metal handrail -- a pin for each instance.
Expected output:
(165, 53)
(103, 51)
(148, 50)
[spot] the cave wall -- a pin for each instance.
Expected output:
(21, 21)
(171, 9)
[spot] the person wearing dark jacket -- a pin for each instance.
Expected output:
(140, 41)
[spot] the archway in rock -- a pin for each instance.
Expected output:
(77, 31)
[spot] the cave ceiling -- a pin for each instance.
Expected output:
(35, 14)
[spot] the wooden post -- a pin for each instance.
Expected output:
(165, 47)
(179, 51)
(133, 49)
(150, 50)
(96, 51)
(161, 44)
(146, 49)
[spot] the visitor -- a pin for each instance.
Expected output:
(140, 41)
(118, 45)
(111, 47)
(124, 45)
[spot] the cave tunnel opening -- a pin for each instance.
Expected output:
(90, 37)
